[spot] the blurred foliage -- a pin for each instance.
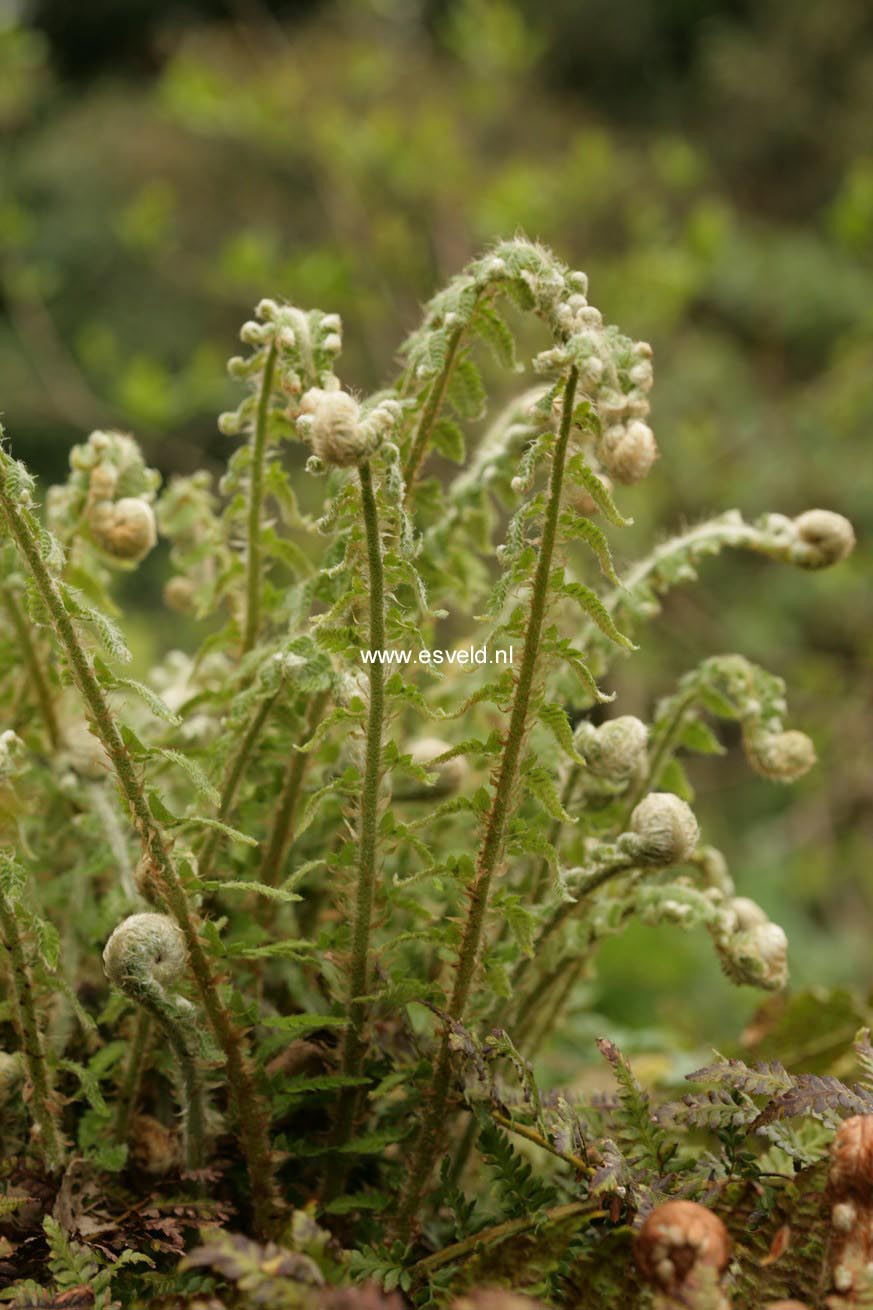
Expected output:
(709, 165)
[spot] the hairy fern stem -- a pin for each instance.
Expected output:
(254, 557)
(35, 671)
(707, 538)
(359, 969)
(492, 844)
(431, 411)
(191, 1084)
(541, 873)
(42, 1103)
(190, 1091)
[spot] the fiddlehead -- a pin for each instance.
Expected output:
(146, 954)
(107, 499)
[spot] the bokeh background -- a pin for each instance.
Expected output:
(708, 162)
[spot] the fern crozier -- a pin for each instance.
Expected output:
(667, 828)
(827, 538)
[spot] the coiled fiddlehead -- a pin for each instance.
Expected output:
(144, 954)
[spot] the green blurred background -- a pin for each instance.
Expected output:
(709, 163)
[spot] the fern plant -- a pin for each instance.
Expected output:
(372, 831)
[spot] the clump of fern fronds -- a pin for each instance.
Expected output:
(351, 873)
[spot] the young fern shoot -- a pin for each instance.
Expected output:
(290, 351)
(584, 352)
(143, 955)
(342, 438)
